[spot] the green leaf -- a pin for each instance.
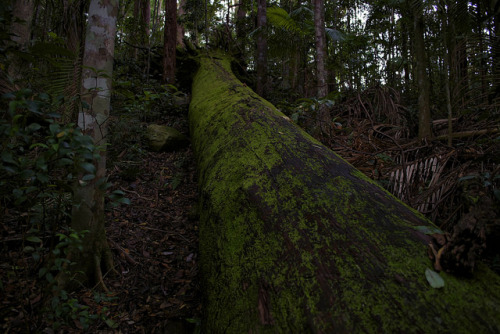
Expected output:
(7, 157)
(123, 200)
(434, 279)
(49, 278)
(54, 128)
(38, 145)
(88, 177)
(428, 229)
(33, 238)
(65, 162)
(34, 127)
(89, 167)
(28, 249)
(334, 34)
(42, 271)
(111, 323)
(468, 177)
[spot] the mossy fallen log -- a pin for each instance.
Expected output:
(295, 240)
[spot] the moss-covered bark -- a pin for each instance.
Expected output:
(295, 240)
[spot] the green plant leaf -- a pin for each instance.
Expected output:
(34, 127)
(111, 323)
(434, 279)
(428, 229)
(33, 238)
(42, 272)
(7, 157)
(88, 177)
(89, 167)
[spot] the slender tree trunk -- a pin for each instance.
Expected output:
(170, 41)
(146, 19)
(180, 27)
(446, 70)
(320, 40)
(295, 240)
(424, 113)
(22, 10)
(323, 115)
(483, 68)
(261, 48)
(134, 33)
(240, 21)
(405, 53)
(462, 30)
(241, 29)
(88, 208)
(496, 58)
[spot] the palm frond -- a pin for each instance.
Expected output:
(335, 35)
(302, 12)
(280, 19)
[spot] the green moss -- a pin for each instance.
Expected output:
(295, 240)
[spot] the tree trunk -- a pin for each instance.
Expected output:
(146, 20)
(88, 209)
(295, 240)
(323, 116)
(134, 35)
(180, 27)
(261, 48)
(23, 11)
(240, 21)
(424, 112)
(170, 41)
(461, 28)
(495, 92)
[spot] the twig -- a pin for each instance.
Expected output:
(122, 250)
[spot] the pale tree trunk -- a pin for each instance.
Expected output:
(424, 113)
(170, 41)
(323, 116)
(261, 48)
(23, 10)
(21, 32)
(88, 208)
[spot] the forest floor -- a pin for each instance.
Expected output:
(154, 241)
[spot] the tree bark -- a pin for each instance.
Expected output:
(261, 48)
(170, 41)
(88, 208)
(180, 27)
(23, 11)
(424, 112)
(146, 20)
(323, 116)
(295, 240)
